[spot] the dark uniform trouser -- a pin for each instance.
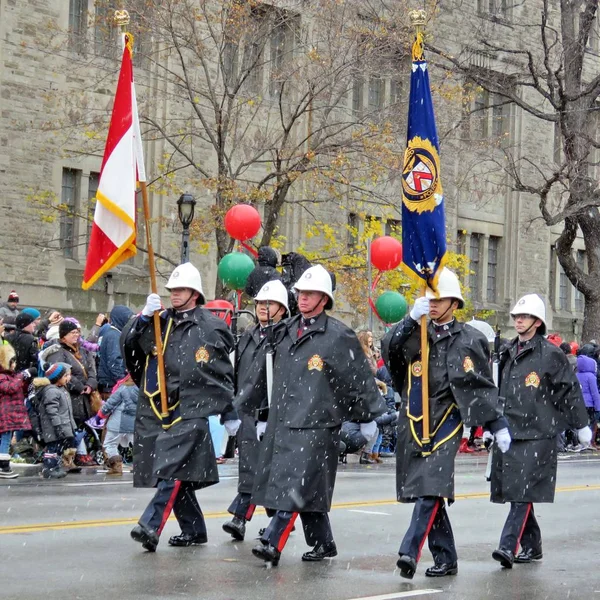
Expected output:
(242, 507)
(179, 497)
(521, 529)
(316, 525)
(430, 521)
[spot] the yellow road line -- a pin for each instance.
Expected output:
(33, 528)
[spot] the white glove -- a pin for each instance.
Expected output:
(369, 430)
(420, 309)
(261, 427)
(153, 304)
(232, 426)
(585, 436)
(503, 439)
(488, 436)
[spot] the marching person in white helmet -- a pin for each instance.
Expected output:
(320, 379)
(461, 390)
(178, 458)
(541, 397)
(251, 394)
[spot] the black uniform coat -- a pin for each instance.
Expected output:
(541, 398)
(459, 364)
(251, 395)
(320, 379)
(199, 377)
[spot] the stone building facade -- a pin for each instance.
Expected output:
(53, 62)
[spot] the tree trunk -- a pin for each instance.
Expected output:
(273, 211)
(224, 242)
(591, 320)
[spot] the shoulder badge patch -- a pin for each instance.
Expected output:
(202, 355)
(315, 362)
(532, 380)
(417, 368)
(468, 365)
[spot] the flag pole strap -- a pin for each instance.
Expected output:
(425, 375)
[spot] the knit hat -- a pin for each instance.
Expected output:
(13, 296)
(56, 371)
(66, 326)
(53, 333)
(23, 319)
(34, 312)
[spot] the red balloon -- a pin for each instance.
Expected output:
(242, 222)
(386, 253)
(221, 308)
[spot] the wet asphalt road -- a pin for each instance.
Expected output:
(70, 539)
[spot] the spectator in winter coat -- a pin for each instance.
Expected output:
(13, 413)
(586, 373)
(265, 270)
(56, 424)
(566, 348)
(52, 318)
(23, 340)
(110, 362)
(120, 410)
(9, 310)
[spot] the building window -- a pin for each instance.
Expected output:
(501, 119)
(563, 289)
(579, 299)
(352, 230)
(253, 68)
(493, 8)
(479, 115)
(77, 24)
(492, 269)
(396, 92)
(282, 47)
(474, 264)
(106, 38)
(230, 63)
(461, 242)
(357, 95)
(393, 227)
(375, 92)
(70, 185)
(93, 182)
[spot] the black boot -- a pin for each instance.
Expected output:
(5, 471)
(267, 553)
(528, 556)
(365, 459)
(442, 570)
(320, 551)
(147, 537)
(188, 539)
(505, 557)
(236, 528)
(407, 566)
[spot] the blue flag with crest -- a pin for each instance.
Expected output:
(423, 215)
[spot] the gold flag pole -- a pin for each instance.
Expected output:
(418, 19)
(122, 20)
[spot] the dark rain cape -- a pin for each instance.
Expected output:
(320, 379)
(461, 391)
(199, 377)
(541, 398)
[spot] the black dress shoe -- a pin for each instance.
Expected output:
(504, 557)
(442, 570)
(407, 566)
(320, 552)
(267, 553)
(528, 556)
(147, 537)
(236, 528)
(188, 539)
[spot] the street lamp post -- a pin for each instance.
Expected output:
(185, 210)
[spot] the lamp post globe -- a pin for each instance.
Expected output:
(185, 211)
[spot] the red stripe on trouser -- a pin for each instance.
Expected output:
(250, 512)
(286, 533)
(169, 506)
(429, 526)
(523, 527)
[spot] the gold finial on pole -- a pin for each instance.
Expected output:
(418, 18)
(122, 19)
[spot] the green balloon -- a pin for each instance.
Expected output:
(391, 307)
(234, 269)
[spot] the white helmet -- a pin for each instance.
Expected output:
(274, 291)
(448, 287)
(316, 279)
(531, 304)
(484, 328)
(187, 276)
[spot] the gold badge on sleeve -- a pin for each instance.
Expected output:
(315, 362)
(532, 380)
(468, 365)
(202, 355)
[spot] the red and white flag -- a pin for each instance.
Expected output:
(113, 234)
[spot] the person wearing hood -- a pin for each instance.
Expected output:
(23, 340)
(586, 374)
(111, 367)
(265, 270)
